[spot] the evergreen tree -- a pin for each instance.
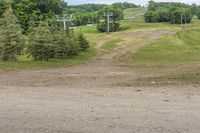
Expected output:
(40, 41)
(61, 44)
(65, 44)
(10, 37)
(74, 45)
(83, 42)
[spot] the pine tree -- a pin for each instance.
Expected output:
(40, 42)
(61, 45)
(65, 45)
(10, 37)
(83, 42)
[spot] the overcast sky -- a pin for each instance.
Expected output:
(142, 2)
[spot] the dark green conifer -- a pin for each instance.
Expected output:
(40, 42)
(83, 42)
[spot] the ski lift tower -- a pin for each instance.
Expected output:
(108, 15)
(66, 19)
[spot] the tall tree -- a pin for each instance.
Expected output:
(10, 36)
(26, 10)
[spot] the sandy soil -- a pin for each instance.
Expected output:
(93, 98)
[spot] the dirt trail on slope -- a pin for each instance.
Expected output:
(88, 98)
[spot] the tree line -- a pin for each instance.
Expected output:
(90, 13)
(196, 10)
(173, 12)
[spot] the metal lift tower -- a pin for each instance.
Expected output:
(65, 18)
(108, 15)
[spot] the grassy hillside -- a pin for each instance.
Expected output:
(180, 53)
(131, 12)
(182, 47)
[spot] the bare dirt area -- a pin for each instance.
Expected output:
(91, 98)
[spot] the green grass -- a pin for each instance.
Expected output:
(27, 63)
(139, 25)
(180, 48)
(88, 30)
(111, 45)
(134, 11)
(185, 78)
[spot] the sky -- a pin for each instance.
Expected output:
(141, 2)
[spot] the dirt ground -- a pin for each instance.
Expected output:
(94, 97)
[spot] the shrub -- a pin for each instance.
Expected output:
(65, 46)
(83, 42)
(102, 27)
(40, 43)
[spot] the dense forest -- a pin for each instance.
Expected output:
(173, 12)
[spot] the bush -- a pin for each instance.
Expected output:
(102, 27)
(61, 45)
(151, 17)
(83, 43)
(40, 43)
(74, 47)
